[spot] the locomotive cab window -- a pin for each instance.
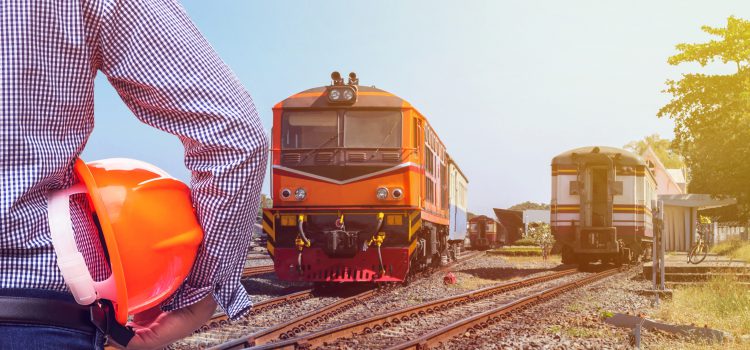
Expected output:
(372, 129)
(309, 129)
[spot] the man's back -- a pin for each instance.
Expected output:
(170, 78)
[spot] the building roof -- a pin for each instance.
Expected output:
(677, 175)
(699, 201)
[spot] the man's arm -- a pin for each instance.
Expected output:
(172, 79)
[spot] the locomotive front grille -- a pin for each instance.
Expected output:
(391, 157)
(356, 157)
(291, 157)
(324, 157)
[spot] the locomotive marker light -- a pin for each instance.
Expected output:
(285, 193)
(381, 193)
(397, 193)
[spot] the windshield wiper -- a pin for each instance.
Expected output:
(334, 137)
(382, 143)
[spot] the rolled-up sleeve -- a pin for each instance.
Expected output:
(171, 78)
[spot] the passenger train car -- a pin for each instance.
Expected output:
(485, 232)
(363, 188)
(601, 205)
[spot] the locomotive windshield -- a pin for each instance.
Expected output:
(372, 129)
(309, 129)
(361, 129)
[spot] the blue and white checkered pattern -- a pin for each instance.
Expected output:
(171, 79)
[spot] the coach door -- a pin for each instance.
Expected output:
(598, 202)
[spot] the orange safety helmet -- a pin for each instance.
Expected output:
(150, 229)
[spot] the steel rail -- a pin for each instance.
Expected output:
(379, 322)
(293, 327)
(256, 270)
(298, 325)
(475, 323)
(221, 319)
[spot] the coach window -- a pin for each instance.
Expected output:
(309, 129)
(372, 129)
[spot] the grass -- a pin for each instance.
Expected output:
(734, 248)
(722, 303)
(517, 251)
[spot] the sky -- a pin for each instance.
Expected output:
(507, 85)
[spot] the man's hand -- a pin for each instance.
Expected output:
(155, 329)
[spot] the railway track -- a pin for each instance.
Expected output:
(485, 319)
(310, 321)
(256, 270)
(221, 319)
(393, 328)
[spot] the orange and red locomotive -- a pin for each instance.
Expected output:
(363, 188)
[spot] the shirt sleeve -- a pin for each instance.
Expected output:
(171, 78)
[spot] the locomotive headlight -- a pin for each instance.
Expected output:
(300, 194)
(381, 193)
(334, 95)
(398, 193)
(348, 94)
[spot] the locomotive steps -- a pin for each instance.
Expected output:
(678, 271)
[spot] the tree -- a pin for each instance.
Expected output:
(529, 205)
(662, 148)
(265, 202)
(712, 113)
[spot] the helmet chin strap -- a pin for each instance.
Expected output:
(70, 261)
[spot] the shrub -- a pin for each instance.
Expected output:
(526, 242)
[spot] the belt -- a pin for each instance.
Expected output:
(46, 312)
(51, 312)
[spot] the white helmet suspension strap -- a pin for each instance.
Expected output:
(69, 259)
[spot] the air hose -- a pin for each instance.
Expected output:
(378, 239)
(301, 242)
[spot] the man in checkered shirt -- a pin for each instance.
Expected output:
(171, 79)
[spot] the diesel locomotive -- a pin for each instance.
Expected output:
(363, 188)
(602, 205)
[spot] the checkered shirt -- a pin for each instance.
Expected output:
(171, 79)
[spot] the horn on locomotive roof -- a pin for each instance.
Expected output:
(353, 80)
(337, 79)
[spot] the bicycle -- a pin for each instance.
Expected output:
(699, 251)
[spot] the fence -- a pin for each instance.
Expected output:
(722, 231)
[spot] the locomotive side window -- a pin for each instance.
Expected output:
(309, 129)
(372, 129)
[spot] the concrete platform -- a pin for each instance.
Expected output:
(679, 271)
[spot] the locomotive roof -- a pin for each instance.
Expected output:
(627, 158)
(367, 96)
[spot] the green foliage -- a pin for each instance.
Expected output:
(722, 303)
(662, 148)
(265, 202)
(540, 233)
(517, 251)
(712, 114)
(525, 242)
(728, 246)
(528, 205)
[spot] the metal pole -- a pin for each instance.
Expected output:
(661, 243)
(654, 248)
